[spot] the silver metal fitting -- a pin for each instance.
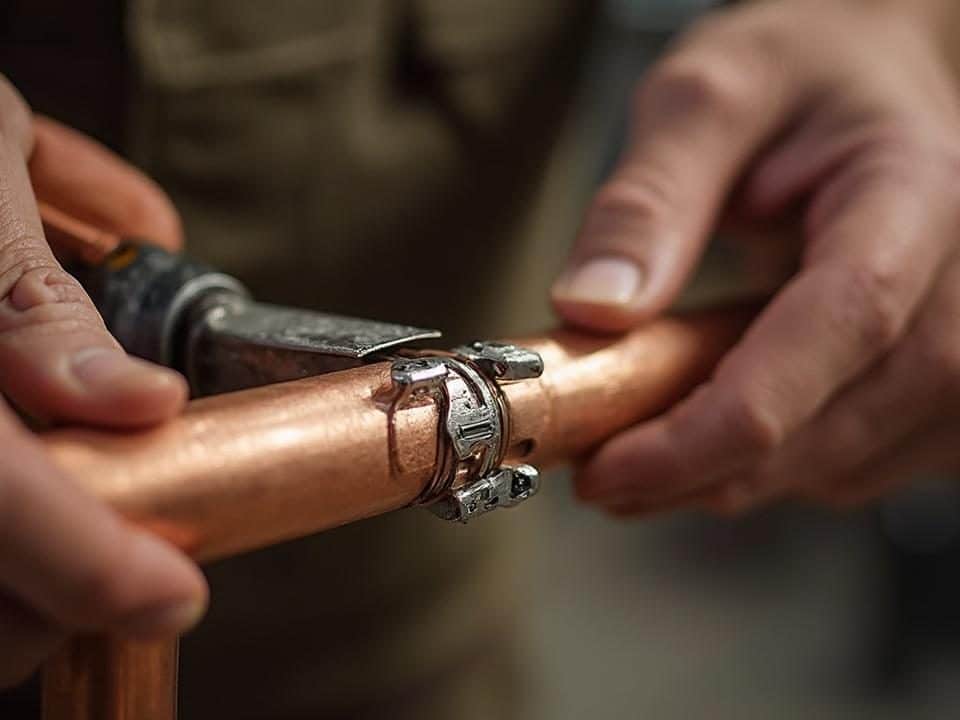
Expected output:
(418, 376)
(504, 488)
(464, 385)
(502, 361)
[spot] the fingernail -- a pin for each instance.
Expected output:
(105, 370)
(613, 280)
(174, 619)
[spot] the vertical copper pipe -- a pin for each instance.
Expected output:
(101, 678)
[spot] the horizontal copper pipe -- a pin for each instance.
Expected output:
(252, 468)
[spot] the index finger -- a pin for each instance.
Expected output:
(78, 176)
(699, 116)
(877, 238)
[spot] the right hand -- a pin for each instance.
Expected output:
(68, 563)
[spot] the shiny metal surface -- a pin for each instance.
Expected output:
(502, 361)
(295, 329)
(249, 469)
(506, 487)
(233, 343)
(468, 480)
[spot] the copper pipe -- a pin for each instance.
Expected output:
(594, 386)
(312, 454)
(251, 468)
(101, 678)
(305, 456)
(308, 455)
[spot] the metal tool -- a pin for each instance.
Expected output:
(169, 309)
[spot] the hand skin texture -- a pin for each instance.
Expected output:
(844, 114)
(67, 563)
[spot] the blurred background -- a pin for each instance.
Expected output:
(792, 613)
(788, 613)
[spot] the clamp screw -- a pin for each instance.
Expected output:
(503, 361)
(419, 375)
(503, 488)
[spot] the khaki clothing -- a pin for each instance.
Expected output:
(380, 159)
(345, 153)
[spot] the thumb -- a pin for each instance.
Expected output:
(57, 359)
(698, 118)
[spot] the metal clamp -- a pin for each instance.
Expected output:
(469, 480)
(502, 361)
(503, 488)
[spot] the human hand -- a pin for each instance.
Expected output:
(67, 563)
(849, 381)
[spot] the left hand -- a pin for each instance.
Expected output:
(848, 383)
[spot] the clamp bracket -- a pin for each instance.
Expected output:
(470, 480)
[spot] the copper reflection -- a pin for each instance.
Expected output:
(252, 468)
(594, 386)
(100, 678)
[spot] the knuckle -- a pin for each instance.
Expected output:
(873, 303)
(35, 292)
(690, 86)
(756, 427)
(58, 284)
(19, 256)
(910, 155)
(642, 198)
